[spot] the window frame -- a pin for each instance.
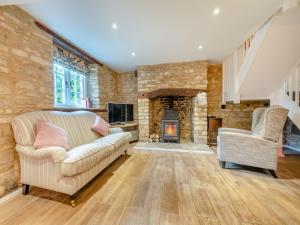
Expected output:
(67, 73)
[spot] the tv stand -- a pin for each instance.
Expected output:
(131, 127)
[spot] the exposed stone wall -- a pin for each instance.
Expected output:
(173, 75)
(144, 118)
(25, 82)
(199, 122)
(108, 83)
(234, 115)
(191, 75)
(94, 85)
(127, 91)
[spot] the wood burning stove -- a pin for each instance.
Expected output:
(170, 124)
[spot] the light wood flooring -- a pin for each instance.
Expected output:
(169, 188)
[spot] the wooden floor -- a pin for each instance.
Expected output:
(169, 188)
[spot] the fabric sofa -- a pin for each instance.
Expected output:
(258, 147)
(61, 170)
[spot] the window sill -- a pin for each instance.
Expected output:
(70, 109)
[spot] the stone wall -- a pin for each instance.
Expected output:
(127, 91)
(173, 75)
(144, 118)
(25, 82)
(108, 85)
(94, 85)
(234, 115)
(189, 75)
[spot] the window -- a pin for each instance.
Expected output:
(70, 86)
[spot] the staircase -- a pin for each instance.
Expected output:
(261, 68)
(289, 94)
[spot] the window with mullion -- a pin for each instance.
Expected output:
(69, 86)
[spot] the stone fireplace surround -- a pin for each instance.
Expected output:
(192, 117)
(181, 80)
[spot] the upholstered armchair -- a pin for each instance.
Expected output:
(258, 147)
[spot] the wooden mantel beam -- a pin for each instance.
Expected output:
(188, 92)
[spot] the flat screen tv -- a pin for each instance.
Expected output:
(120, 113)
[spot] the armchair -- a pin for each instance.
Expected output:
(258, 147)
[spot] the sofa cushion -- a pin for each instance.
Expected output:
(49, 135)
(116, 139)
(100, 126)
(83, 157)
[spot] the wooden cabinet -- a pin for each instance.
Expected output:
(212, 129)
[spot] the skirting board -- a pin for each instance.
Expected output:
(10, 195)
(173, 148)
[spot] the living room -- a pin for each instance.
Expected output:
(149, 112)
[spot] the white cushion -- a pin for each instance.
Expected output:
(83, 157)
(116, 139)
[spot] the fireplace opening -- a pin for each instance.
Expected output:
(170, 124)
(170, 129)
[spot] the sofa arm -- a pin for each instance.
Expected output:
(57, 154)
(115, 130)
(233, 130)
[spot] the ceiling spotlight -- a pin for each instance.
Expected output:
(114, 26)
(200, 47)
(216, 11)
(133, 54)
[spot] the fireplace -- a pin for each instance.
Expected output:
(170, 124)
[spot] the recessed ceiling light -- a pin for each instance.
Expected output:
(200, 47)
(216, 11)
(133, 54)
(114, 26)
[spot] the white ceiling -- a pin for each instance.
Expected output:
(158, 31)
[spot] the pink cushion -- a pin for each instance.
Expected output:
(101, 126)
(49, 135)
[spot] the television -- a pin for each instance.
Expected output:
(120, 113)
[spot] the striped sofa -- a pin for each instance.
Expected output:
(61, 170)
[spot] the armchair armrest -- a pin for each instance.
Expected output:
(246, 139)
(248, 150)
(57, 154)
(115, 130)
(233, 130)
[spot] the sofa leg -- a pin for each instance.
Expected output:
(272, 173)
(72, 201)
(222, 164)
(25, 189)
(125, 152)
